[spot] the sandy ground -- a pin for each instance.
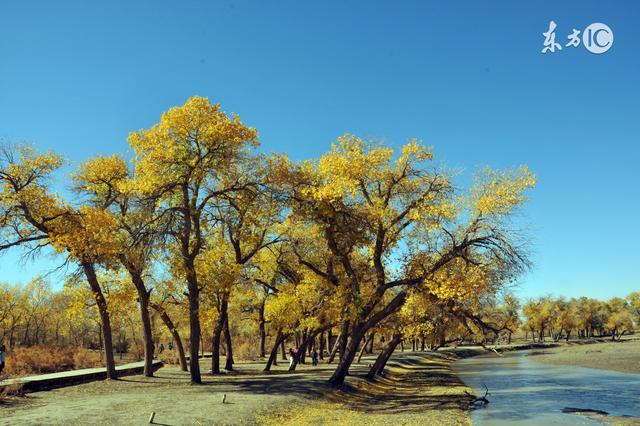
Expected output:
(419, 389)
(621, 356)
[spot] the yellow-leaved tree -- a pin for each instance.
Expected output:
(33, 216)
(391, 222)
(184, 162)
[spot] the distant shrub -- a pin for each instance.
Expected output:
(85, 358)
(24, 361)
(246, 351)
(136, 351)
(169, 357)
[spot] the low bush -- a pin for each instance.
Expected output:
(24, 361)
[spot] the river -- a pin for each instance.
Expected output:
(526, 392)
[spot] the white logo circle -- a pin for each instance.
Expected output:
(597, 38)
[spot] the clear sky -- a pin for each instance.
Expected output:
(467, 77)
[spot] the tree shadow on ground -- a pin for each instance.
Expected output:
(411, 384)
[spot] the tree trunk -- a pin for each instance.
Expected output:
(341, 341)
(194, 322)
(105, 321)
(217, 333)
(143, 299)
(364, 347)
(342, 369)
(383, 357)
(299, 357)
(174, 333)
(302, 349)
(283, 350)
(263, 334)
(321, 346)
(227, 337)
(280, 337)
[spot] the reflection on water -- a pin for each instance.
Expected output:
(523, 391)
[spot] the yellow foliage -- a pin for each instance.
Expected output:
(189, 142)
(500, 192)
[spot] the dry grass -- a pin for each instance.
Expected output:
(24, 361)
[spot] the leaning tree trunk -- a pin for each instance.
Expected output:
(341, 341)
(280, 338)
(105, 321)
(174, 333)
(308, 339)
(227, 337)
(383, 357)
(351, 348)
(364, 347)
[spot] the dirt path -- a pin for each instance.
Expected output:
(419, 386)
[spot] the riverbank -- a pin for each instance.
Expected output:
(418, 388)
(622, 356)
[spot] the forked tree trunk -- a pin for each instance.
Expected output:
(174, 333)
(105, 321)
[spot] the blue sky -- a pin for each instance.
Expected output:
(467, 77)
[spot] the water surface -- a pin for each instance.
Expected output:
(526, 392)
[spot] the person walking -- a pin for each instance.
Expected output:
(314, 358)
(292, 354)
